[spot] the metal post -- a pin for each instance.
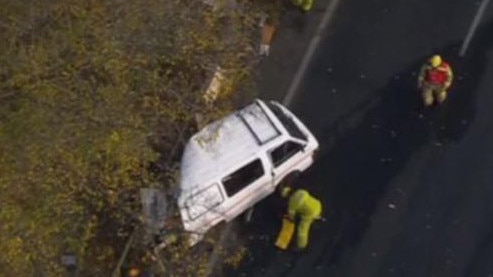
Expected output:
(248, 215)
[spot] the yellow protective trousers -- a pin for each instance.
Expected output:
(309, 209)
(432, 93)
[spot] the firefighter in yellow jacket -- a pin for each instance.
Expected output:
(304, 206)
(305, 5)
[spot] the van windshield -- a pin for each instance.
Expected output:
(288, 122)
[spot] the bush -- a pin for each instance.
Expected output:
(86, 86)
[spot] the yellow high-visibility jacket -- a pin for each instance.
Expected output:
(303, 204)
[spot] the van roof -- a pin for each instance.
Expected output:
(219, 146)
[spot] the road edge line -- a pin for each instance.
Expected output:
(309, 53)
(473, 27)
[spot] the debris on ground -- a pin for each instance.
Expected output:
(268, 30)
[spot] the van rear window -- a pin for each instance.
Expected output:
(288, 122)
(243, 177)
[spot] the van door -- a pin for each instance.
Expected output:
(246, 186)
(285, 158)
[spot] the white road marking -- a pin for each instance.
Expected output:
(473, 27)
(309, 52)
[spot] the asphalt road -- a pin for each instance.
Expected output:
(406, 191)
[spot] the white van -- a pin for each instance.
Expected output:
(235, 162)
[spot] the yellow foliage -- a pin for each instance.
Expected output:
(84, 86)
(236, 257)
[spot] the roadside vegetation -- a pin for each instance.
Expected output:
(92, 95)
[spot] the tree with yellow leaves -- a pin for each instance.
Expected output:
(91, 93)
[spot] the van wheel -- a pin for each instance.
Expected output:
(290, 180)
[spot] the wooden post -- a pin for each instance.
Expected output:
(117, 271)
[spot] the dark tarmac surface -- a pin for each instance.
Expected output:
(406, 191)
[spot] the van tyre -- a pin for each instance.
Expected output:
(290, 180)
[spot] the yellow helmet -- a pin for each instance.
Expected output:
(436, 60)
(285, 191)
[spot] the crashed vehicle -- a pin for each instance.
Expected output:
(233, 163)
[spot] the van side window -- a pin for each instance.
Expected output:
(285, 151)
(243, 177)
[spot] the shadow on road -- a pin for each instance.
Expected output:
(361, 153)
